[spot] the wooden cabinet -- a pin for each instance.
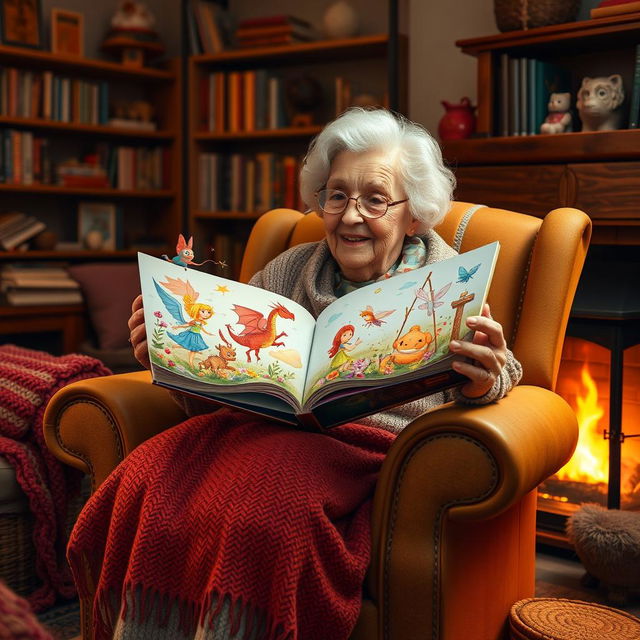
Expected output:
(226, 94)
(598, 172)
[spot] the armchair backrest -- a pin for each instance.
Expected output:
(535, 277)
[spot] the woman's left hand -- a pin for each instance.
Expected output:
(487, 352)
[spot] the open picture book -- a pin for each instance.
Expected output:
(377, 347)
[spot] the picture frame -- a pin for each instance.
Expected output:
(97, 225)
(21, 23)
(67, 32)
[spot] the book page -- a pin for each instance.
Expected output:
(397, 326)
(209, 329)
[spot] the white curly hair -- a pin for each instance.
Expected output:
(427, 182)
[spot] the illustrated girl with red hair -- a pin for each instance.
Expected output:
(340, 346)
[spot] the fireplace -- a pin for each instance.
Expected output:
(600, 378)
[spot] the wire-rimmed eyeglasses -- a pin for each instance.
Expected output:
(334, 202)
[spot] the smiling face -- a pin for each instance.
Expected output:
(346, 336)
(204, 314)
(366, 248)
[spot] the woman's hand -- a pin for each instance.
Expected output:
(487, 352)
(138, 333)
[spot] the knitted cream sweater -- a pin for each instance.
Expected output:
(306, 274)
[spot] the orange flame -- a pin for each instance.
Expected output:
(590, 462)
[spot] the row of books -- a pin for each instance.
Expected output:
(273, 30)
(253, 100)
(23, 285)
(525, 87)
(252, 183)
(42, 94)
(17, 228)
(242, 101)
(25, 159)
(208, 27)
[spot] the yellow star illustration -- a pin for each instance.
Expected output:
(222, 289)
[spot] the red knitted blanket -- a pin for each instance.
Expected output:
(28, 379)
(227, 519)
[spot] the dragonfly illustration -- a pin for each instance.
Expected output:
(428, 304)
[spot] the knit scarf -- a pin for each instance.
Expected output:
(412, 256)
(230, 526)
(28, 379)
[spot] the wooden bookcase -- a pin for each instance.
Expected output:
(598, 172)
(149, 218)
(372, 64)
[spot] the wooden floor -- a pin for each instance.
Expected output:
(559, 576)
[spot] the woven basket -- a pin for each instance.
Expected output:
(559, 619)
(17, 550)
(18, 555)
(527, 14)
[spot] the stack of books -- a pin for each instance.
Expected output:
(25, 285)
(273, 30)
(16, 228)
(608, 8)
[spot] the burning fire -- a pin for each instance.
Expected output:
(590, 462)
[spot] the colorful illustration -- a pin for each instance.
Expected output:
(373, 318)
(340, 347)
(219, 362)
(411, 348)
(430, 305)
(198, 312)
(185, 257)
(259, 332)
(265, 356)
(465, 275)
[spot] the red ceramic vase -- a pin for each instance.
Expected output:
(458, 122)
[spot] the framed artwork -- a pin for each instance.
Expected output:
(97, 225)
(21, 23)
(67, 32)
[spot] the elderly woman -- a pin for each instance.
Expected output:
(229, 526)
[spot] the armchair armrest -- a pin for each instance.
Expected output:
(93, 424)
(449, 468)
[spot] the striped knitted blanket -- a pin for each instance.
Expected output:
(229, 526)
(28, 379)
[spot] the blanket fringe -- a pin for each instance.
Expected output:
(140, 604)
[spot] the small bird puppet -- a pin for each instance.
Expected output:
(185, 255)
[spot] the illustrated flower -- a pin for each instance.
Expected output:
(171, 363)
(157, 314)
(320, 382)
(160, 355)
(163, 324)
(333, 374)
(167, 350)
(253, 374)
(280, 379)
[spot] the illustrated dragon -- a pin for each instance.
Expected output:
(259, 332)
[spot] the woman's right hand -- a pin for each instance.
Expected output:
(138, 333)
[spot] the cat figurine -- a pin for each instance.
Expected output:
(598, 102)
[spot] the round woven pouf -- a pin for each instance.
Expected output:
(558, 619)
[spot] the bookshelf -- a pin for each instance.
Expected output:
(148, 209)
(598, 172)
(152, 200)
(268, 147)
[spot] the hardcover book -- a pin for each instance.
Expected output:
(377, 347)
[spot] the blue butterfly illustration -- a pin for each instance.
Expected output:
(464, 275)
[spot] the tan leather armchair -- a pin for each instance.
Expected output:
(454, 510)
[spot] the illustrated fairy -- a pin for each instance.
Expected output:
(198, 313)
